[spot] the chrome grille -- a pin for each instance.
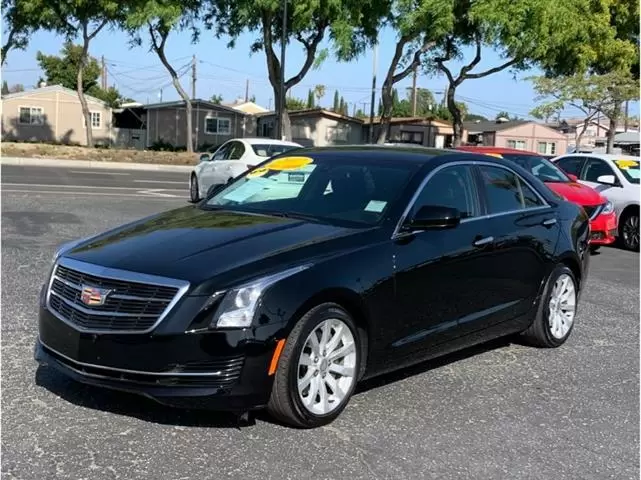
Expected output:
(593, 211)
(130, 307)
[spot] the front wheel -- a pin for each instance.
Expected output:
(318, 369)
(554, 319)
(629, 230)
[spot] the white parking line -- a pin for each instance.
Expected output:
(101, 194)
(85, 187)
(182, 182)
(89, 172)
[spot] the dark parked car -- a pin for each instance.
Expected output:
(284, 289)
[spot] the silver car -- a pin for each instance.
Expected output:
(616, 177)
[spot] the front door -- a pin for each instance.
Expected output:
(443, 277)
(209, 172)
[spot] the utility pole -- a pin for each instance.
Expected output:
(280, 131)
(247, 90)
(193, 78)
(414, 75)
(104, 73)
(371, 107)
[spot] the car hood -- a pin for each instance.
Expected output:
(577, 193)
(196, 245)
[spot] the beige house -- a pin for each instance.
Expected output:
(316, 127)
(417, 130)
(518, 134)
(212, 124)
(53, 114)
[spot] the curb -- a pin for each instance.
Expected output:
(52, 162)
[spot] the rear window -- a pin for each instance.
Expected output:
(270, 149)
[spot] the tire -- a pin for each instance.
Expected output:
(194, 194)
(286, 402)
(541, 333)
(629, 230)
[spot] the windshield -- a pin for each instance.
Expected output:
(629, 169)
(538, 166)
(349, 191)
(271, 149)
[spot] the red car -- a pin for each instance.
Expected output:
(603, 220)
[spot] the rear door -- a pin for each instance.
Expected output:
(525, 232)
(209, 172)
(230, 165)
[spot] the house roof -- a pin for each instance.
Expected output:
(247, 107)
(315, 111)
(627, 137)
(412, 120)
(181, 103)
(493, 126)
(48, 89)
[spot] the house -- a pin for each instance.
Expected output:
(519, 134)
(315, 127)
(212, 123)
(595, 135)
(418, 130)
(250, 108)
(53, 114)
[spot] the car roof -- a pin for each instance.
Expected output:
(267, 141)
(603, 156)
(489, 149)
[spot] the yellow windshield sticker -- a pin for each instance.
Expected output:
(258, 172)
(289, 163)
(625, 164)
(497, 155)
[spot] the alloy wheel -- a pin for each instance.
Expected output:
(631, 232)
(326, 367)
(562, 306)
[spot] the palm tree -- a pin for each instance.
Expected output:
(319, 92)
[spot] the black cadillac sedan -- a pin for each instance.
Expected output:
(312, 272)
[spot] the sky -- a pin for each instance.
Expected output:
(137, 73)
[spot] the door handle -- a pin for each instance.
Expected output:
(483, 241)
(549, 222)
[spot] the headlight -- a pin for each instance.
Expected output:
(609, 208)
(238, 305)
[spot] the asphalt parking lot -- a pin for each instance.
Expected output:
(504, 411)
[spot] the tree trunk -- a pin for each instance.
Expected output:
(457, 117)
(614, 120)
(80, 89)
(387, 102)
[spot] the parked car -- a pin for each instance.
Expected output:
(603, 219)
(230, 160)
(616, 177)
(382, 258)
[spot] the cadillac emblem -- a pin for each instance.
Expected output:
(94, 296)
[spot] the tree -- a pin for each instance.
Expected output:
(360, 114)
(319, 92)
(419, 25)
(351, 25)
(5, 88)
(63, 70)
(293, 103)
(503, 114)
(337, 104)
(473, 117)
(158, 18)
(310, 99)
(217, 99)
(22, 18)
(558, 37)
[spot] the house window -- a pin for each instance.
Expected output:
(337, 133)
(412, 137)
(31, 116)
(267, 129)
(546, 148)
(96, 119)
(217, 126)
(517, 144)
(299, 131)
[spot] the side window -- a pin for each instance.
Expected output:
(505, 192)
(571, 165)
(595, 168)
(237, 151)
(452, 187)
(222, 152)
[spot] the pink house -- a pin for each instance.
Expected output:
(519, 134)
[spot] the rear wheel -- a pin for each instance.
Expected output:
(555, 316)
(194, 194)
(629, 230)
(318, 369)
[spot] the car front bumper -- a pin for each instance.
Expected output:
(603, 229)
(215, 370)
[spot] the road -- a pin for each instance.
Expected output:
(504, 411)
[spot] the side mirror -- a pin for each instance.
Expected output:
(572, 177)
(204, 157)
(435, 217)
(607, 179)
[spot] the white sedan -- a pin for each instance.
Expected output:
(231, 159)
(616, 177)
